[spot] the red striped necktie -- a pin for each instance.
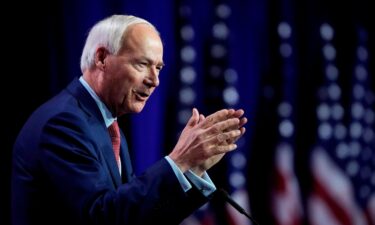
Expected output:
(114, 132)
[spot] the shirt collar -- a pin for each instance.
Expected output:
(107, 115)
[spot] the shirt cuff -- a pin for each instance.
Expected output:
(203, 184)
(185, 184)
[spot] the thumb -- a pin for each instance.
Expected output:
(194, 119)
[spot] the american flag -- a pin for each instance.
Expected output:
(343, 160)
(220, 91)
(187, 91)
(286, 200)
(237, 160)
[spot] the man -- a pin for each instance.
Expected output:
(64, 168)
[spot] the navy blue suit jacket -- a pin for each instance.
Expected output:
(64, 172)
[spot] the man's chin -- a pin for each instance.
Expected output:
(138, 108)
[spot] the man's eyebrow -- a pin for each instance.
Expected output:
(151, 62)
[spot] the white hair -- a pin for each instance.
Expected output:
(107, 33)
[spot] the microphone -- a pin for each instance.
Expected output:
(223, 194)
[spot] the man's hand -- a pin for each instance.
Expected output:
(204, 141)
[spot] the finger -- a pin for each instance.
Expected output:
(223, 139)
(243, 130)
(231, 112)
(201, 118)
(226, 126)
(235, 138)
(228, 136)
(194, 119)
(243, 121)
(238, 113)
(220, 149)
(215, 117)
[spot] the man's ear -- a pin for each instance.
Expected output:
(100, 54)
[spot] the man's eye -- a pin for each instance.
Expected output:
(141, 65)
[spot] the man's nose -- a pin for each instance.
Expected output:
(153, 77)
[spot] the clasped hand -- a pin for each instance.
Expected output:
(205, 140)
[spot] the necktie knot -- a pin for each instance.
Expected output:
(114, 132)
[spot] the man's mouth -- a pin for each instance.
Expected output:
(141, 95)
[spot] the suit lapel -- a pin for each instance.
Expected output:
(88, 104)
(126, 168)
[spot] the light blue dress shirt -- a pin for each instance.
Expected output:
(204, 184)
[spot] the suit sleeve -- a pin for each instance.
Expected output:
(77, 168)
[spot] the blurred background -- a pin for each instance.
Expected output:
(303, 71)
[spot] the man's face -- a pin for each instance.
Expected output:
(133, 74)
